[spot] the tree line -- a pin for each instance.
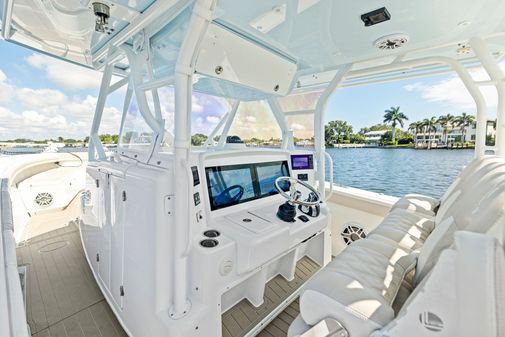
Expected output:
(447, 122)
(104, 138)
(340, 132)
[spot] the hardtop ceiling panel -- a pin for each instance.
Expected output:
(66, 28)
(328, 33)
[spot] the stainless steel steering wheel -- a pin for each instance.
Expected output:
(294, 194)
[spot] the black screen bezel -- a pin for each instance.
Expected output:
(310, 161)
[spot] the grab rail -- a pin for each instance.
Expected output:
(330, 161)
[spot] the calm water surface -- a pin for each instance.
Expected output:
(398, 171)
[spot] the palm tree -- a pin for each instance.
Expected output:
(464, 121)
(430, 125)
(415, 127)
(394, 116)
(446, 121)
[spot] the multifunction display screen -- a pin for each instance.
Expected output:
(302, 162)
(234, 184)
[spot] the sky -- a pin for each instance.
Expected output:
(42, 98)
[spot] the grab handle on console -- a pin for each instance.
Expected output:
(330, 162)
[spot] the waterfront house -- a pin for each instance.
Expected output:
(374, 137)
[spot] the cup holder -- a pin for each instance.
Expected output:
(211, 233)
(209, 243)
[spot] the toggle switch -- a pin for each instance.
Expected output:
(199, 216)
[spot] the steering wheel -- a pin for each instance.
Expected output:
(294, 194)
(226, 193)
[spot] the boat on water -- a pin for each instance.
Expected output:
(161, 238)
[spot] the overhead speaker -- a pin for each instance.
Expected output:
(353, 232)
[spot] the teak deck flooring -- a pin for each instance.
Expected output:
(63, 299)
(240, 319)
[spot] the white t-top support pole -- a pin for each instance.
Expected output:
(210, 140)
(287, 134)
(496, 74)
(94, 141)
(319, 115)
(197, 27)
(229, 122)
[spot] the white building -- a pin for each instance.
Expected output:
(374, 137)
(454, 135)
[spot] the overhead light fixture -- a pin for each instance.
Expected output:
(102, 15)
(390, 42)
(463, 49)
(375, 17)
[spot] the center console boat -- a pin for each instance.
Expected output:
(161, 237)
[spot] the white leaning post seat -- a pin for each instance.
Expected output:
(411, 229)
(363, 286)
(464, 294)
(427, 205)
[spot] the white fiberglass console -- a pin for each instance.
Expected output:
(239, 203)
(236, 241)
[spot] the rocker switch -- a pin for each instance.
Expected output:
(199, 216)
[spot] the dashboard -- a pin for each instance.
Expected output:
(236, 227)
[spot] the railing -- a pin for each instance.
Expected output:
(12, 307)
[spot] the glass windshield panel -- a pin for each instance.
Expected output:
(256, 126)
(300, 102)
(207, 112)
(303, 129)
(234, 184)
(167, 107)
(136, 134)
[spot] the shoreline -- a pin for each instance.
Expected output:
(353, 146)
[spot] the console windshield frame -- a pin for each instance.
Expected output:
(255, 181)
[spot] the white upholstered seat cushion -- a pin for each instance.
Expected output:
(464, 290)
(427, 206)
(358, 287)
(408, 230)
(418, 203)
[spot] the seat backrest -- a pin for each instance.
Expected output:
(477, 212)
(470, 178)
(466, 174)
(464, 295)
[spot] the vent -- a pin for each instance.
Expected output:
(353, 232)
(44, 199)
(390, 42)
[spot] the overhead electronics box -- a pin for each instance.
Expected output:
(231, 57)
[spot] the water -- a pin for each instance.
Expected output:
(398, 171)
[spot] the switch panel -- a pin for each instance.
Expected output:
(303, 177)
(196, 198)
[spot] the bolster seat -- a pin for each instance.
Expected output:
(359, 287)
(429, 206)
(408, 230)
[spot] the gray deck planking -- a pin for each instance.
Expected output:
(63, 299)
(239, 320)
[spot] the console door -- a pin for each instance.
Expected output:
(119, 199)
